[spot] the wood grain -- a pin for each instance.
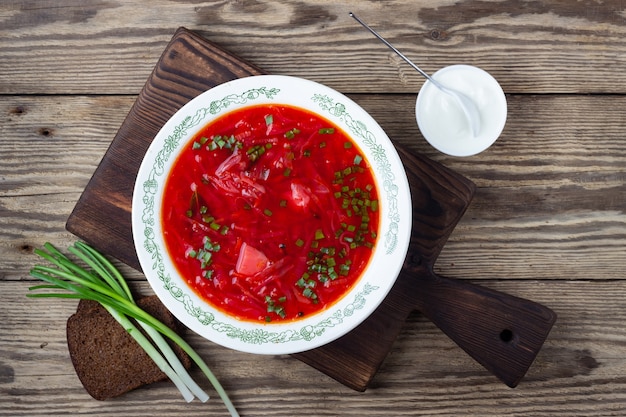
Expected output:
(524, 46)
(425, 374)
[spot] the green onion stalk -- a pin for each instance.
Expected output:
(103, 283)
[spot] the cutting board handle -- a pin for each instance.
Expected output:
(502, 332)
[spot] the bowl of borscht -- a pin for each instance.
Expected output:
(271, 214)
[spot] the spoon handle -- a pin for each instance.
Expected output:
(393, 48)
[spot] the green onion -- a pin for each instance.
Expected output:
(223, 142)
(256, 151)
(100, 281)
(309, 293)
(292, 133)
(269, 119)
(328, 251)
(326, 131)
(273, 307)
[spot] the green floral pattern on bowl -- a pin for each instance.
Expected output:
(154, 260)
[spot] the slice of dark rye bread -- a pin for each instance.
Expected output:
(106, 358)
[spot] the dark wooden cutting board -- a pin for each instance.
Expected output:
(502, 332)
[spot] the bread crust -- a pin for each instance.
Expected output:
(106, 358)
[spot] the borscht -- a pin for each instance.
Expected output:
(270, 213)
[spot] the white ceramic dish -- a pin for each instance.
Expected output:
(318, 329)
(442, 121)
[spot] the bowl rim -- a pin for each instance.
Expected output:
(281, 337)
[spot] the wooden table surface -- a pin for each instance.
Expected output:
(547, 222)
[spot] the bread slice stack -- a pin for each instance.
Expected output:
(106, 358)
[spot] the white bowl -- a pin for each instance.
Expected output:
(442, 121)
(279, 337)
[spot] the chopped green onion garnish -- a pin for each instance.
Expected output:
(273, 307)
(309, 293)
(326, 131)
(328, 251)
(255, 152)
(269, 119)
(292, 133)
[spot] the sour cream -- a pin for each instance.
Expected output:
(443, 123)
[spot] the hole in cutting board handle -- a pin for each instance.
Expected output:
(506, 335)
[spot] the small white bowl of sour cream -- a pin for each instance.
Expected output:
(443, 123)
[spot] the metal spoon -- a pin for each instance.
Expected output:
(467, 105)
